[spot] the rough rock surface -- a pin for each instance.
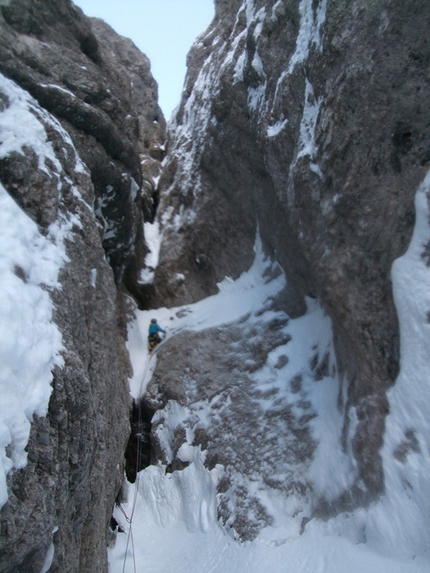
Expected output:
(75, 455)
(99, 85)
(308, 119)
(271, 445)
(255, 394)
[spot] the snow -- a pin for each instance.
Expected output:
(59, 88)
(239, 68)
(175, 525)
(311, 22)
(30, 343)
(307, 144)
(274, 130)
(108, 226)
(407, 476)
(230, 55)
(134, 188)
(257, 64)
(153, 241)
(169, 542)
(250, 10)
(257, 99)
(20, 126)
(309, 32)
(48, 559)
(93, 278)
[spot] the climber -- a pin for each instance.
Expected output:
(153, 334)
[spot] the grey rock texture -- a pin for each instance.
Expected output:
(249, 396)
(213, 381)
(99, 85)
(311, 121)
(75, 464)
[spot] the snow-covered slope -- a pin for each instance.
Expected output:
(243, 478)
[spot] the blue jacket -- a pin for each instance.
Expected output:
(154, 327)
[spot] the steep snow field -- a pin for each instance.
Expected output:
(174, 515)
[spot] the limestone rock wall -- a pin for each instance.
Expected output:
(100, 87)
(96, 101)
(310, 121)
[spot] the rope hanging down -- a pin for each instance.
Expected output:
(138, 468)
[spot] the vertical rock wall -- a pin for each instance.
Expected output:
(100, 87)
(96, 101)
(310, 120)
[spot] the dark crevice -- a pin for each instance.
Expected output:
(138, 451)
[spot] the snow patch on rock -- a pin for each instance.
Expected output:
(309, 35)
(30, 343)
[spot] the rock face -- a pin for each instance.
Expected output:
(96, 101)
(100, 87)
(305, 121)
(75, 454)
(215, 389)
(308, 121)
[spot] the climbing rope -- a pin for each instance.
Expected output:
(145, 372)
(138, 464)
(130, 536)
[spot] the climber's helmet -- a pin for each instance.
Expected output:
(153, 320)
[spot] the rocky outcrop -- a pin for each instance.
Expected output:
(99, 86)
(309, 121)
(64, 496)
(248, 426)
(95, 101)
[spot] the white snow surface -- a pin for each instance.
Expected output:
(174, 515)
(307, 145)
(30, 343)
(401, 521)
(274, 130)
(310, 30)
(153, 241)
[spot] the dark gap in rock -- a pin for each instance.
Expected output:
(138, 450)
(176, 465)
(115, 526)
(90, 47)
(156, 202)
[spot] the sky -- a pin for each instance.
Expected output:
(163, 29)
